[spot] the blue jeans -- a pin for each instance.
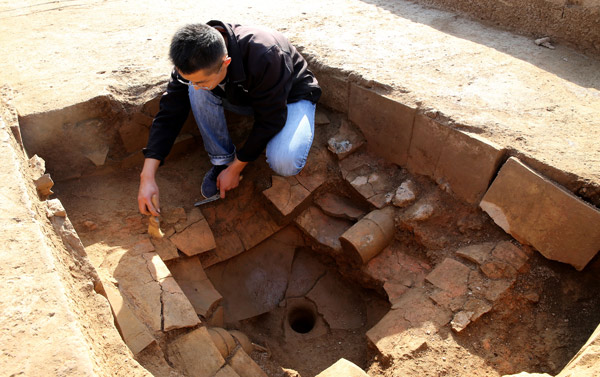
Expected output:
(287, 151)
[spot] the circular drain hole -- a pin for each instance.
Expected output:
(302, 320)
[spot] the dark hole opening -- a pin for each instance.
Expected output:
(302, 320)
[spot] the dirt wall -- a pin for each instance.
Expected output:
(572, 22)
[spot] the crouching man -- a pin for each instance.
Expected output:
(246, 70)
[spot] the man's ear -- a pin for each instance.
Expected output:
(227, 61)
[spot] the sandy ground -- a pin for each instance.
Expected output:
(501, 85)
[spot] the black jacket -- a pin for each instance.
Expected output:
(266, 72)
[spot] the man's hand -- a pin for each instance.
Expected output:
(148, 188)
(229, 178)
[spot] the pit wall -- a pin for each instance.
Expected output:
(54, 320)
(572, 22)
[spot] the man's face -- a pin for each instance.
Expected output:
(208, 81)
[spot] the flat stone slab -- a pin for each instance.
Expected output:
(190, 275)
(450, 276)
(195, 353)
(135, 334)
(195, 239)
(338, 303)
(538, 212)
(255, 281)
(286, 194)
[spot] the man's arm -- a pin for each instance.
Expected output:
(149, 188)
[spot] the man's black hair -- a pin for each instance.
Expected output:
(196, 47)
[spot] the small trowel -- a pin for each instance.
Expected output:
(154, 223)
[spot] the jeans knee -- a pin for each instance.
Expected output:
(286, 166)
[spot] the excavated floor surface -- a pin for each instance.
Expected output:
(536, 326)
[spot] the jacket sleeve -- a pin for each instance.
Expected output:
(271, 82)
(174, 110)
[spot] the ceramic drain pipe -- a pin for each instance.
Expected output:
(370, 235)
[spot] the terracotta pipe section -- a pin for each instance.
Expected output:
(370, 235)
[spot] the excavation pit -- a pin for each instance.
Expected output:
(449, 293)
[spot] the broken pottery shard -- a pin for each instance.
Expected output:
(135, 334)
(190, 276)
(338, 303)
(55, 208)
(510, 253)
(192, 217)
(450, 276)
(476, 253)
(195, 239)
(306, 271)
(165, 248)
(324, 229)
(339, 206)
(43, 185)
(286, 194)
(538, 212)
(344, 368)
(195, 354)
(223, 340)
(255, 282)
(173, 215)
(394, 337)
(478, 306)
(245, 366)
(176, 310)
(461, 320)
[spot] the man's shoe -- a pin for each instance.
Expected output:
(209, 183)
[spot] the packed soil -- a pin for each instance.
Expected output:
(537, 326)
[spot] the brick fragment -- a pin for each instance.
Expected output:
(286, 195)
(195, 239)
(478, 253)
(195, 354)
(538, 212)
(450, 276)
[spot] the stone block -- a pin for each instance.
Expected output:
(386, 124)
(195, 239)
(467, 164)
(255, 282)
(405, 194)
(478, 253)
(428, 140)
(347, 140)
(322, 228)
(134, 333)
(461, 320)
(339, 206)
(156, 298)
(195, 354)
(244, 366)
(286, 195)
(37, 165)
(336, 92)
(538, 212)
(338, 303)
(343, 367)
(450, 276)
(190, 275)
